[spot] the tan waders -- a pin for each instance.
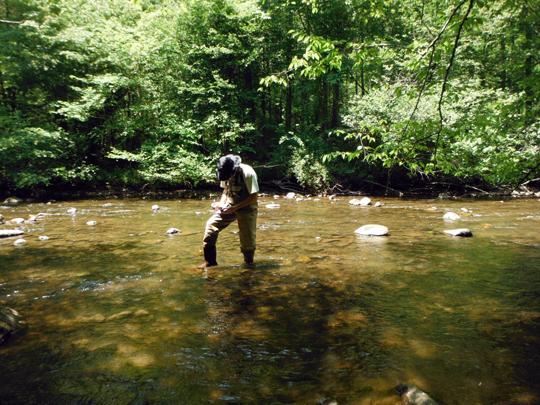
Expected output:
(247, 226)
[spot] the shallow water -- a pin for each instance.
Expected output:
(118, 313)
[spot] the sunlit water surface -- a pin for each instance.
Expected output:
(118, 313)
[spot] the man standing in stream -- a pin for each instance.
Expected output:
(238, 202)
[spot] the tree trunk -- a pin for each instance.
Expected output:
(529, 63)
(362, 78)
(503, 62)
(288, 106)
(3, 93)
(322, 113)
(335, 105)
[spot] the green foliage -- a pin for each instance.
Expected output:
(302, 158)
(152, 92)
(167, 164)
(33, 157)
(483, 137)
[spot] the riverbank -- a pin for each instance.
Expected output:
(440, 190)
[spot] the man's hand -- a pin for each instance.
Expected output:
(227, 210)
(223, 209)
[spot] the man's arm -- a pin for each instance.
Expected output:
(251, 199)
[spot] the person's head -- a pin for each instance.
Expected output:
(227, 166)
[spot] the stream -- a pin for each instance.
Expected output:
(119, 313)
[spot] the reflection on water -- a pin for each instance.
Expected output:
(118, 313)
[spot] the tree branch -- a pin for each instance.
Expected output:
(443, 29)
(10, 22)
(432, 46)
(447, 74)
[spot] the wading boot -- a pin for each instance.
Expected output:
(248, 258)
(210, 257)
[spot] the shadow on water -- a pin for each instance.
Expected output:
(291, 339)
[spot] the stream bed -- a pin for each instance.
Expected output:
(119, 313)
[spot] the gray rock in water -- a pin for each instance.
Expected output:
(17, 221)
(463, 232)
(91, 223)
(32, 219)
(451, 216)
(20, 242)
(72, 211)
(43, 237)
(378, 204)
(12, 201)
(172, 231)
(290, 195)
(10, 323)
(6, 233)
(364, 202)
(372, 230)
(412, 395)
(272, 206)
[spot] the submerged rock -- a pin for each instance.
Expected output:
(172, 231)
(451, 216)
(272, 206)
(372, 230)
(91, 223)
(412, 395)
(10, 322)
(6, 233)
(43, 238)
(327, 401)
(20, 242)
(463, 232)
(16, 221)
(119, 315)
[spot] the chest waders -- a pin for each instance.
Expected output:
(236, 191)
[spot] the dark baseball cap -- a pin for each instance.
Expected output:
(226, 166)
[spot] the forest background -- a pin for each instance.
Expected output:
(315, 94)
